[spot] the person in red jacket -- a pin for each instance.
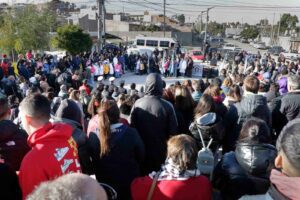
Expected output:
(178, 178)
(85, 87)
(53, 151)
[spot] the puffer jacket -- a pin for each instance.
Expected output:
(245, 171)
(13, 144)
(210, 126)
(252, 105)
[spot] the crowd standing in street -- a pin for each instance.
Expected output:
(195, 139)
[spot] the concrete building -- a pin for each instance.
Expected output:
(233, 31)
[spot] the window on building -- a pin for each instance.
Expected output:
(140, 42)
(164, 44)
(151, 43)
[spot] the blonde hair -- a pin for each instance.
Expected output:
(182, 150)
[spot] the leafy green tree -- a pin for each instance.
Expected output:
(73, 39)
(33, 27)
(288, 22)
(25, 29)
(215, 28)
(181, 18)
(250, 32)
(7, 33)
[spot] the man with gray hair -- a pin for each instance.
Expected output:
(290, 103)
(69, 187)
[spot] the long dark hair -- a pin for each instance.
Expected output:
(206, 104)
(108, 113)
(235, 92)
(183, 99)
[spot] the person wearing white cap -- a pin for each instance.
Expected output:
(100, 79)
(111, 80)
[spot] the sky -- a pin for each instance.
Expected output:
(250, 11)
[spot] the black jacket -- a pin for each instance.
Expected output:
(13, 144)
(9, 184)
(245, 171)
(210, 126)
(122, 164)
(252, 105)
(155, 120)
(278, 119)
(290, 105)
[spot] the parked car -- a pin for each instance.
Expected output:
(292, 55)
(229, 35)
(216, 42)
(260, 45)
(236, 37)
(276, 50)
(196, 55)
(229, 46)
(244, 40)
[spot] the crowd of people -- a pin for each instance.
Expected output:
(59, 118)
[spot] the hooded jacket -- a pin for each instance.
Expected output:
(252, 105)
(53, 153)
(13, 144)
(245, 171)
(210, 126)
(155, 120)
(69, 113)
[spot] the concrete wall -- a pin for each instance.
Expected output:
(185, 38)
(112, 26)
(129, 36)
(285, 42)
(266, 40)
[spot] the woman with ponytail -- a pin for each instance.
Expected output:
(117, 150)
(247, 169)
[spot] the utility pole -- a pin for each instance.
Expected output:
(278, 32)
(207, 19)
(201, 21)
(104, 24)
(272, 32)
(99, 20)
(164, 18)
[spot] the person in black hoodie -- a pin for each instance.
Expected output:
(69, 112)
(117, 150)
(246, 170)
(156, 121)
(13, 140)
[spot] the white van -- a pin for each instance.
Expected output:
(154, 42)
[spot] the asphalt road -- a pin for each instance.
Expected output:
(139, 80)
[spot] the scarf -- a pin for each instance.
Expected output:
(169, 171)
(288, 186)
